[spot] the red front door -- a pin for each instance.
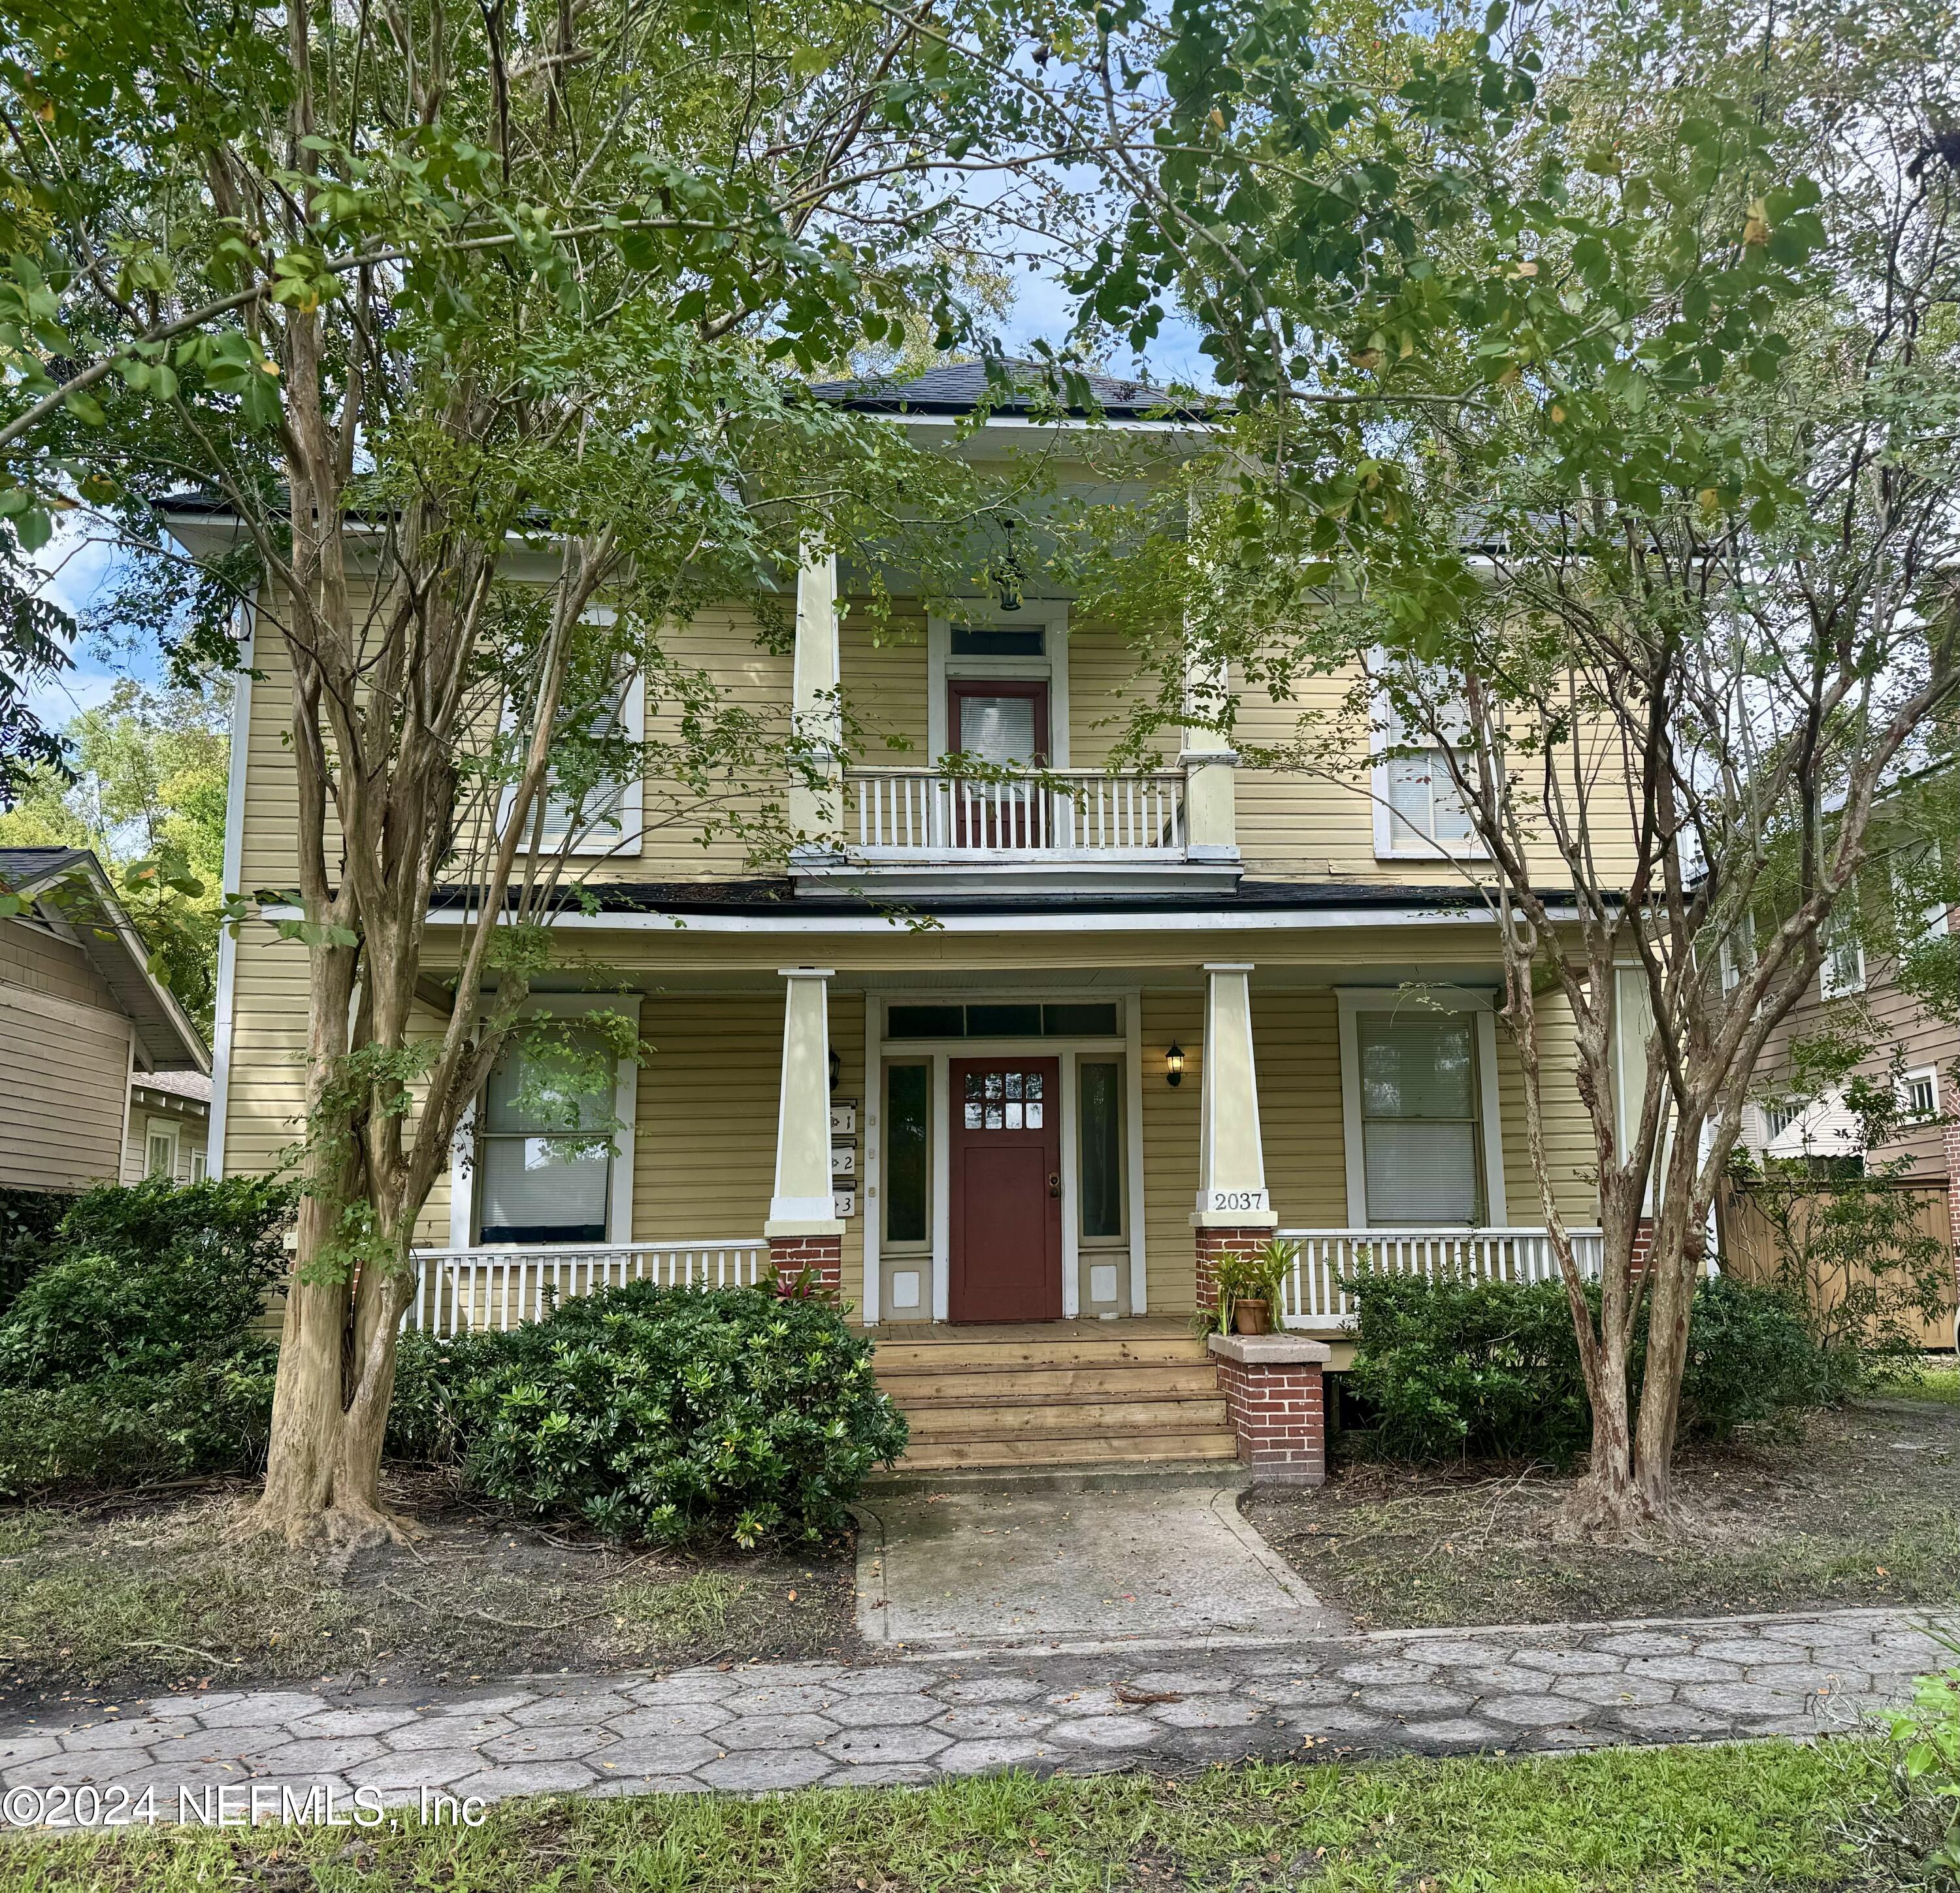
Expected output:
(1006, 1190)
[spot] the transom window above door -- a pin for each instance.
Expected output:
(1004, 1101)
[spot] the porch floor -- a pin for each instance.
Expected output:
(1091, 1328)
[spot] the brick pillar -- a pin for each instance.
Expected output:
(1274, 1391)
(822, 1256)
(1642, 1246)
(1213, 1243)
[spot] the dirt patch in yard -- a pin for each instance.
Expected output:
(1863, 1507)
(138, 1591)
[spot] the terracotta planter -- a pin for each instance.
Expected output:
(1251, 1318)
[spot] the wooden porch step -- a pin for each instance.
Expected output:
(1123, 1381)
(948, 1356)
(987, 1419)
(1066, 1449)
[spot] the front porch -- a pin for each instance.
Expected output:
(1021, 1184)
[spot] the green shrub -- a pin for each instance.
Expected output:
(145, 1279)
(1451, 1369)
(1752, 1358)
(28, 1219)
(1454, 1369)
(664, 1413)
(428, 1416)
(134, 1354)
(122, 1430)
(1912, 1830)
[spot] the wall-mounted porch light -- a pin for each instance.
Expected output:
(1174, 1065)
(836, 1071)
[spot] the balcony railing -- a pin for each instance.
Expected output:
(466, 1290)
(922, 814)
(1312, 1296)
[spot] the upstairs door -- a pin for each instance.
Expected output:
(1005, 724)
(1005, 1264)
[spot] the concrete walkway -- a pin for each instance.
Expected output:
(995, 1563)
(1149, 1703)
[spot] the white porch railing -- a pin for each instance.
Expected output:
(1312, 1296)
(913, 815)
(465, 1290)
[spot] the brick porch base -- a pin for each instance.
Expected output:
(822, 1256)
(1273, 1389)
(1214, 1244)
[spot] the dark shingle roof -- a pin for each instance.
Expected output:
(961, 387)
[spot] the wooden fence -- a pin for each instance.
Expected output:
(1749, 1250)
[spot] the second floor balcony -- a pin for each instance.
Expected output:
(1096, 829)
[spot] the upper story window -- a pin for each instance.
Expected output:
(592, 799)
(1843, 972)
(1919, 1093)
(1418, 810)
(599, 814)
(1919, 922)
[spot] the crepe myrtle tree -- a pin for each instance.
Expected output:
(1620, 498)
(490, 328)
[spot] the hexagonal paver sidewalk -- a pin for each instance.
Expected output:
(757, 1728)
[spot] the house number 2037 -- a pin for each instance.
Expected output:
(1238, 1199)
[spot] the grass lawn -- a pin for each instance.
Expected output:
(1764, 1816)
(1863, 1507)
(123, 1592)
(1939, 1380)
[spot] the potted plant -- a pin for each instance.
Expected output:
(1249, 1288)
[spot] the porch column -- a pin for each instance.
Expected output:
(802, 1233)
(1234, 1213)
(1211, 767)
(816, 812)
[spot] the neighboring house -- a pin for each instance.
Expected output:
(170, 1120)
(1158, 1015)
(81, 1018)
(1911, 1045)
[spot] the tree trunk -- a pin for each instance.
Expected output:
(1609, 1501)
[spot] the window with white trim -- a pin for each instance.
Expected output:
(1739, 952)
(604, 817)
(199, 1170)
(1931, 920)
(1919, 1093)
(600, 816)
(1421, 1129)
(160, 1149)
(1843, 972)
(1419, 810)
(545, 1142)
(1421, 1134)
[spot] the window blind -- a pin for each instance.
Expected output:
(1420, 1134)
